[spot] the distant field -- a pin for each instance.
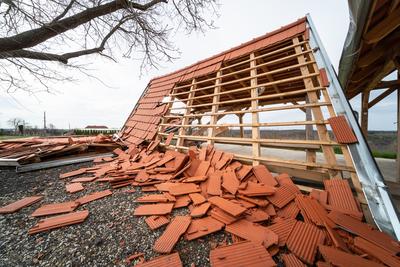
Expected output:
(6, 137)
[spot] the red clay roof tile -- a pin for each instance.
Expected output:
(375, 251)
(223, 216)
(253, 232)
(283, 228)
(229, 181)
(257, 189)
(169, 139)
(313, 210)
(202, 227)
(214, 184)
(182, 201)
(59, 221)
(342, 259)
(154, 209)
(154, 198)
(283, 195)
(72, 173)
(175, 229)
(155, 222)
(227, 206)
(342, 130)
(19, 204)
(94, 196)
(74, 187)
(264, 176)
(172, 260)
(84, 179)
(256, 215)
(291, 260)
(55, 208)
(241, 254)
(365, 231)
(183, 189)
(197, 198)
(291, 210)
(201, 210)
(243, 172)
(304, 240)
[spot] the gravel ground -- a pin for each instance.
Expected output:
(109, 235)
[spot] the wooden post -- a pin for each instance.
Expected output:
(185, 120)
(364, 113)
(255, 130)
(316, 111)
(398, 129)
(241, 122)
(310, 154)
(214, 109)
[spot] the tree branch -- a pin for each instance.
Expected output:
(36, 36)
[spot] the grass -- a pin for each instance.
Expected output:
(376, 154)
(7, 137)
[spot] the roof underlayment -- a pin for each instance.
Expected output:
(283, 70)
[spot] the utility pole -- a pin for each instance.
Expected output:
(44, 121)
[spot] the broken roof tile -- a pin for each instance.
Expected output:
(365, 231)
(342, 259)
(257, 201)
(263, 175)
(291, 210)
(19, 204)
(257, 189)
(94, 196)
(283, 195)
(182, 201)
(72, 173)
(84, 179)
(175, 229)
(59, 221)
(229, 182)
(283, 228)
(55, 208)
(225, 159)
(172, 260)
(169, 139)
(243, 172)
(256, 215)
(214, 184)
(202, 227)
(200, 210)
(154, 198)
(197, 198)
(320, 195)
(291, 260)
(202, 168)
(183, 189)
(195, 179)
(253, 232)
(244, 253)
(312, 210)
(304, 240)
(154, 209)
(377, 252)
(223, 216)
(155, 221)
(74, 187)
(227, 206)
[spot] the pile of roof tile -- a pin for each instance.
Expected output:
(32, 150)
(267, 217)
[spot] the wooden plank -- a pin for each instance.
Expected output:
(364, 113)
(383, 28)
(214, 109)
(240, 116)
(317, 113)
(255, 131)
(381, 97)
(185, 120)
(261, 124)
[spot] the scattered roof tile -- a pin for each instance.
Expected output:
(55, 208)
(182, 201)
(291, 210)
(59, 221)
(197, 198)
(304, 240)
(19, 204)
(184, 188)
(229, 181)
(241, 254)
(155, 221)
(84, 179)
(94, 196)
(227, 206)
(342, 130)
(342, 259)
(257, 189)
(256, 215)
(283, 195)
(154, 198)
(202, 227)
(283, 228)
(154, 209)
(377, 252)
(175, 229)
(223, 216)
(291, 260)
(74, 187)
(214, 184)
(264, 176)
(253, 232)
(200, 210)
(172, 260)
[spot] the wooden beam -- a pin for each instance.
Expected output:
(189, 102)
(240, 116)
(381, 97)
(364, 113)
(311, 155)
(255, 131)
(214, 108)
(383, 28)
(387, 84)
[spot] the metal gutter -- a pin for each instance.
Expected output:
(376, 192)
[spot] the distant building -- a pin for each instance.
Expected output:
(96, 127)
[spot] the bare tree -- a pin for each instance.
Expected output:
(35, 34)
(14, 122)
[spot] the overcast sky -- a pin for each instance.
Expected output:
(91, 102)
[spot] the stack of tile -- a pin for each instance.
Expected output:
(268, 218)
